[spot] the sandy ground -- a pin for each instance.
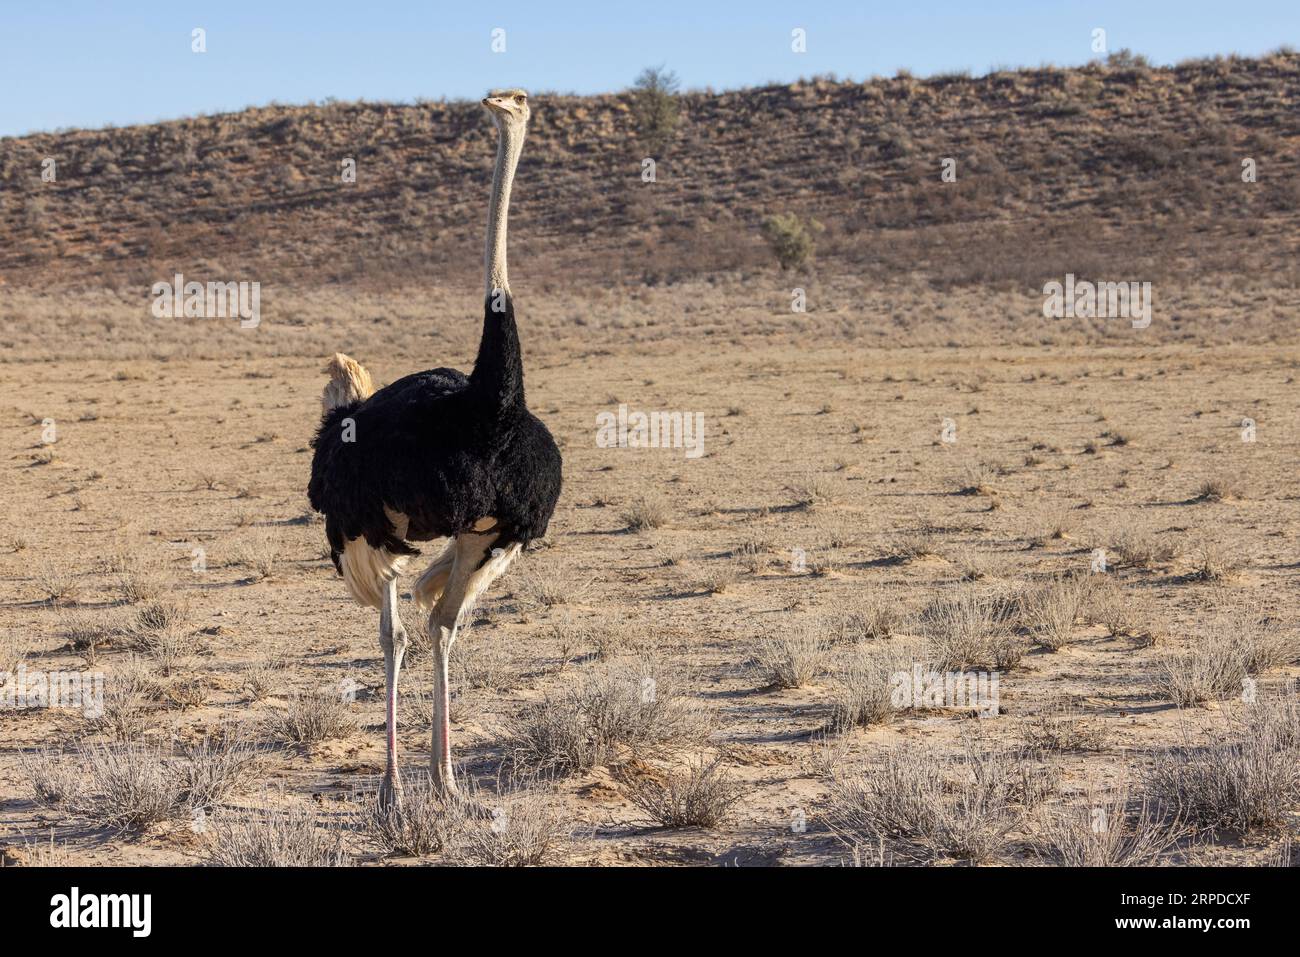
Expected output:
(139, 444)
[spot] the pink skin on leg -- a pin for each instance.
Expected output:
(393, 641)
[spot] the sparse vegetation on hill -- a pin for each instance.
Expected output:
(1116, 166)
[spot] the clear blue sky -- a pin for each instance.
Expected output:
(89, 63)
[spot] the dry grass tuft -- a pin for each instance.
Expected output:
(1137, 547)
(701, 796)
(127, 696)
(48, 853)
(1251, 782)
(315, 716)
(864, 695)
(477, 663)
(546, 585)
(162, 613)
(1050, 610)
(426, 821)
(792, 658)
(1235, 641)
(586, 724)
(171, 648)
(56, 779)
(812, 491)
(1109, 831)
(139, 579)
(1218, 563)
(976, 478)
(914, 544)
(927, 804)
(258, 555)
(644, 513)
(968, 627)
(211, 771)
(1219, 489)
(1065, 729)
(261, 679)
(14, 649)
(718, 578)
(56, 584)
(1214, 669)
(278, 838)
(525, 830)
(870, 616)
(130, 787)
(86, 634)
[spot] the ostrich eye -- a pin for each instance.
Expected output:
(519, 98)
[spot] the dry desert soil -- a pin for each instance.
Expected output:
(694, 666)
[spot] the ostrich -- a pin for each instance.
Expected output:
(438, 455)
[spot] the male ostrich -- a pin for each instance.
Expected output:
(438, 454)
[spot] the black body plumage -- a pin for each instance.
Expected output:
(445, 449)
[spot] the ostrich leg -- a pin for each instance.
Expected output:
(479, 561)
(392, 639)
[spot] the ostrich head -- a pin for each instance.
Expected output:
(508, 109)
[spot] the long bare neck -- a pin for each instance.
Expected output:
(498, 376)
(510, 143)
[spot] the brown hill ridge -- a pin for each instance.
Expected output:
(1058, 170)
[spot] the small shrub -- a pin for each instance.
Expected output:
(645, 513)
(214, 769)
(1139, 548)
(1221, 489)
(259, 555)
(127, 693)
(871, 617)
(426, 821)
(162, 614)
(130, 787)
(812, 491)
(14, 650)
(976, 479)
(170, 648)
(482, 663)
(1065, 729)
(542, 585)
(525, 831)
(911, 545)
(790, 239)
(1110, 831)
(702, 796)
(1251, 782)
(1214, 669)
(655, 107)
(1217, 563)
(610, 639)
(278, 838)
(928, 804)
(585, 725)
(56, 584)
(1049, 610)
(792, 658)
(718, 578)
(315, 716)
(971, 628)
(56, 779)
(261, 680)
(864, 694)
(87, 634)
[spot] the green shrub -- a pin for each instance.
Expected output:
(654, 105)
(790, 239)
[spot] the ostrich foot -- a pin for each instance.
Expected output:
(390, 791)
